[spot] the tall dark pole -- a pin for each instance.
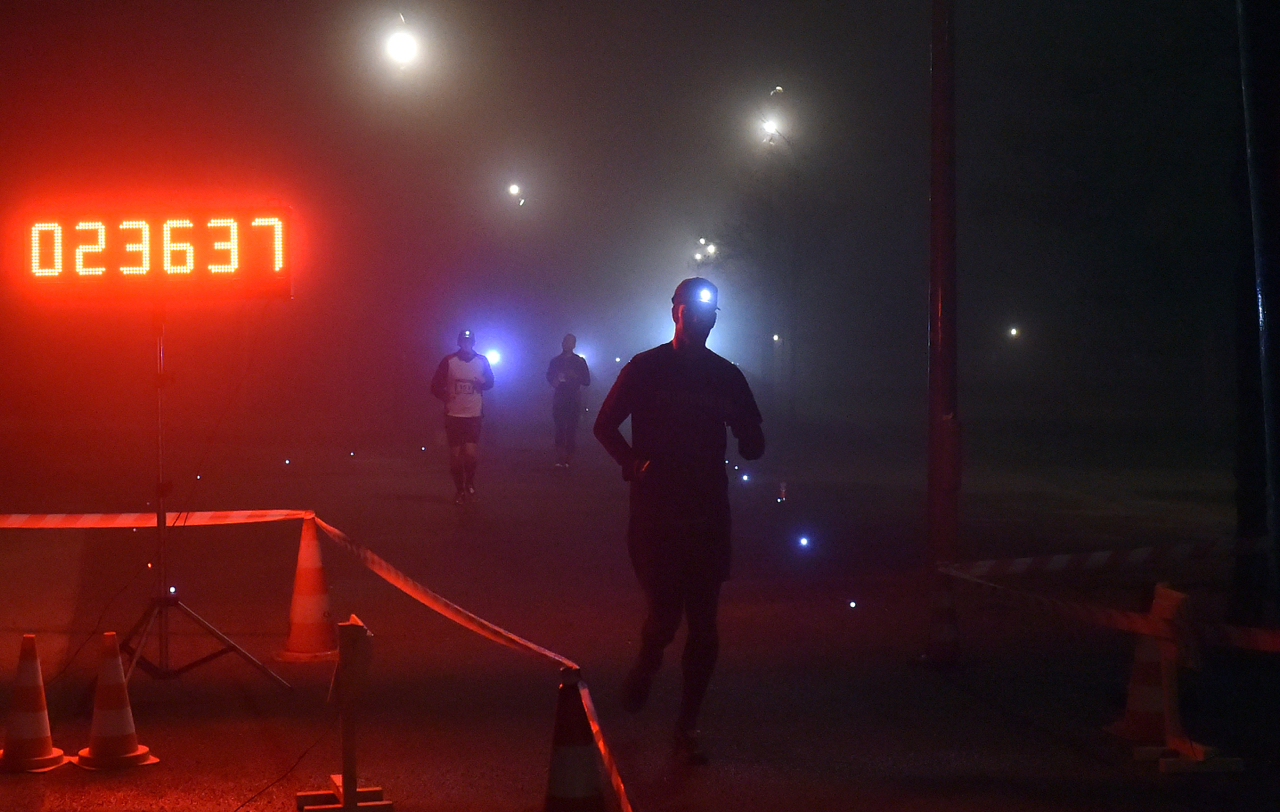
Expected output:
(944, 425)
(1259, 28)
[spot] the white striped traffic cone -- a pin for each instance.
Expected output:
(28, 744)
(1143, 721)
(574, 784)
(312, 633)
(113, 742)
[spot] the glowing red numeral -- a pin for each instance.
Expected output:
(277, 232)
(36, 268)
(171, 247)
(231, 244)
(142, 246)
(96, 248)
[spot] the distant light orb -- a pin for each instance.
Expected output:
(494, 356)
(804, 541)
(286, 462)
(711, 249)
(617, 360)
(698, 256)
(771, 127)
(746, 478)
(775, 337)
(853, 604)
(402, 48)
(513, 189)
(702, 241)
(1013, 332)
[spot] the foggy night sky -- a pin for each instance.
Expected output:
(1097, 148)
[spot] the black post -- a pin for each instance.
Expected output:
(162, 490)
(944, 425)
(1259, 32)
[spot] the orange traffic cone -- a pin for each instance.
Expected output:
(28, 744)
(574, 784)
(312, 634)
(1143, 720)
(113, 742)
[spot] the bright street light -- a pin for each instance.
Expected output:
(494, 356)
(771, 127)
(514, 189)
(402, 47)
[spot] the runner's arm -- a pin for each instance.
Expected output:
(440, 380)
(745, 421)
(615, 409)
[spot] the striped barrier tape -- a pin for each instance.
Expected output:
(606, 755)
(46, 521)
(1254, 639)
(457, 614)
(436, 603)
(1101, 559)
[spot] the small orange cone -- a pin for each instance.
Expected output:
(574, 784)
(28, 744)
(312, 633)
(113, 742)
(1143, 721)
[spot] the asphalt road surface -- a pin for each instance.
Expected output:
(820, 700)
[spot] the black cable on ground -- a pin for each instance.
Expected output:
(292, 767)
(71, 657)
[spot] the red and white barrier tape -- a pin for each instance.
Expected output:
(44, 521)
(436, 603)
(606, 755)
(1254, 639)
(1099, 559)
(480, 626)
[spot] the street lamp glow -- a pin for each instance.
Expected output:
(771, 127)
(402, 48)
(494, 356)
(514, 189)
(1013, 332)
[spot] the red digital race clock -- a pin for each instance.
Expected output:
(173, 254)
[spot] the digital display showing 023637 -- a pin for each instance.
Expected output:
(210, 253)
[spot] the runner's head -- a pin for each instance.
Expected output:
(467, 341)
(693, 308)
(569, 342)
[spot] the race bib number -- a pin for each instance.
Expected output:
(464, 388)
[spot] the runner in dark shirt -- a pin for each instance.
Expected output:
(568, 373)
(680, 397)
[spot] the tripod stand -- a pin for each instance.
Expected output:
(166, 599)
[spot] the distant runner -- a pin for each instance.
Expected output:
(680, 397)
(459, 381)
(568, 373)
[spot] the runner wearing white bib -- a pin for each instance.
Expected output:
(459, 381)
